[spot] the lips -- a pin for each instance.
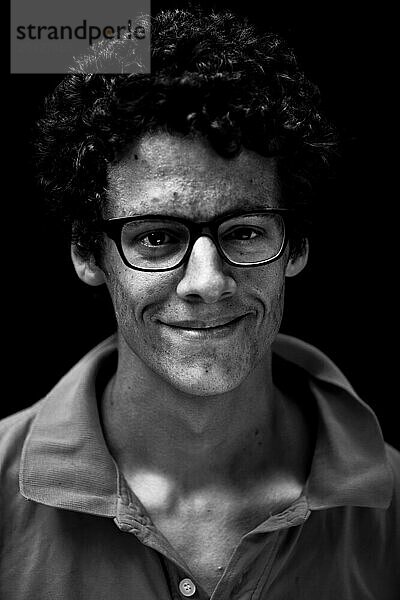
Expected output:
(196, 324)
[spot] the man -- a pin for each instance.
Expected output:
(197, 453)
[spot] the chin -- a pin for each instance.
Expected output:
(206, 381)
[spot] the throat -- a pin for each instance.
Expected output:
(190, 441)
(195, 448)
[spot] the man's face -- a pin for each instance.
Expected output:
(172, 321)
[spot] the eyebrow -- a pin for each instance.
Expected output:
(174, 214)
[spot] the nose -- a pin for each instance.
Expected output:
(204, 279)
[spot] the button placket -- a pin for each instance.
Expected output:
(236, 588)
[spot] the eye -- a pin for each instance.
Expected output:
(157, 239)
(242, 233)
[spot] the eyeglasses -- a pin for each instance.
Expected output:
(163, 243)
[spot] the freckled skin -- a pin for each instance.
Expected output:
(184, 177)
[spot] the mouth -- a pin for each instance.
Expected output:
(205, 329)
(200, 324)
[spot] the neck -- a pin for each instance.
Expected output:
(162, 438)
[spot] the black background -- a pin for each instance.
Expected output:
(340, 303)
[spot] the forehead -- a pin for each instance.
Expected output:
(183, 176)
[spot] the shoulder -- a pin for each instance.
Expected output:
(13, 432)
(393, 456)
(379, 527)
(393, 512)
(14, 429)
(394, 460)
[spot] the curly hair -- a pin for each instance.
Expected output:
(211, 74)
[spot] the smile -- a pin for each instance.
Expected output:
(196, 329)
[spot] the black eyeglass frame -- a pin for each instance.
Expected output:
(113, 229)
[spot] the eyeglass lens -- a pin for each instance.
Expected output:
(163, 243)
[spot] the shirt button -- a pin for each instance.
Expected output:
(187, 587)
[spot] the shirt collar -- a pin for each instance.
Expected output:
(349, 465)
(66, 463)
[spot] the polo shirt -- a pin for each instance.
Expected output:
(72, 529)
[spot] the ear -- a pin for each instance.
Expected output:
(296, 265)
(86, 269)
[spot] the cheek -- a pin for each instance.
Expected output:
(135, 293)
(268, 288)
(266, 283)
(276, 309)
